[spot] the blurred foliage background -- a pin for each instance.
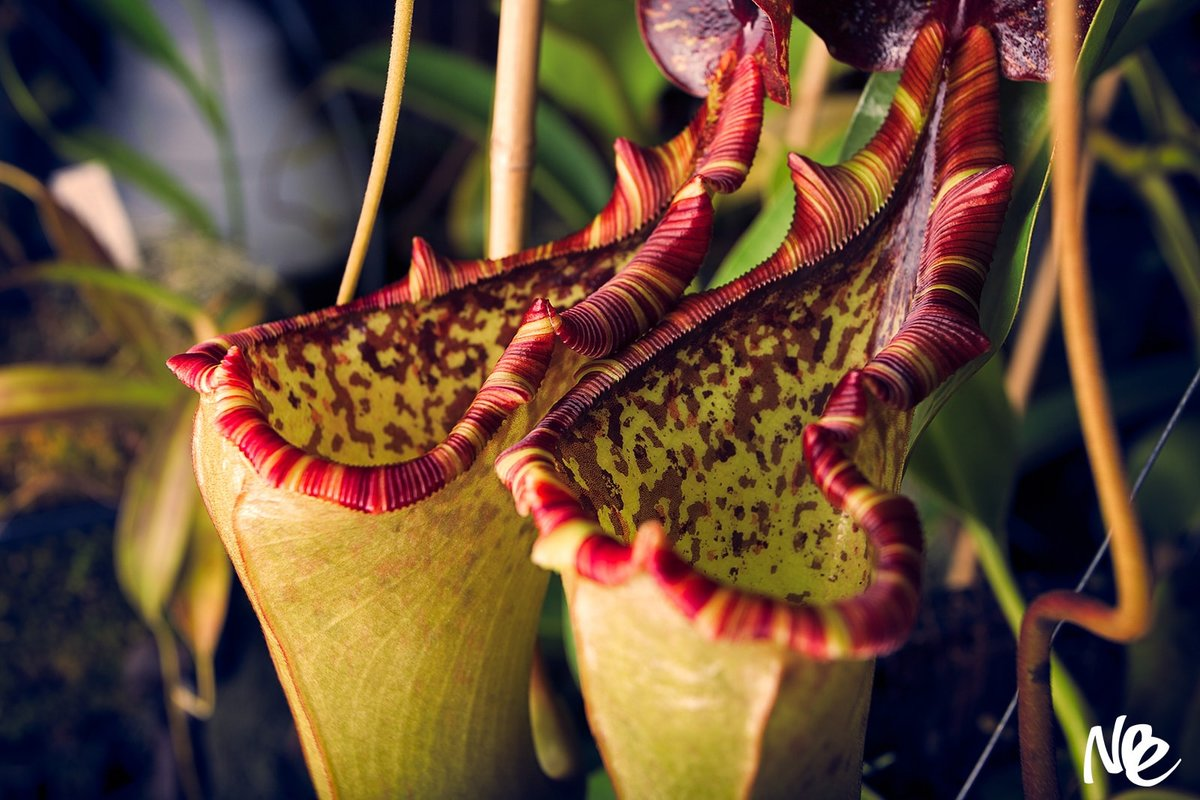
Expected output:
(238, 132)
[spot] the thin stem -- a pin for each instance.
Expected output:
(392, 93)
(512, 124)
(231, 174)
(814, 75)
(1087, 575)
(1030, 341)
(1131, 615)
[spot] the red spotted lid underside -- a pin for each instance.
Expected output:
(686, 38)
(875, 34)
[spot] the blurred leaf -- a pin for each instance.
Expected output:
(1163, 115)
(1149, 18)
(466, 219)
(120, 158)
(1051, 426)
(1176, 240)
(968, 454)
(138, 23)
(68, 236)
(873, 106)
(555, 738)
(122, 283)
(1026, 135)
(35, 392)
(612, 30)
(581, 78)
(203, 597)
(457, 92)
(1168, 504)
(157, 512)
(72, 239)
(599, 786)
(200, 603)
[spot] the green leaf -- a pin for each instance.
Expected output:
(138, 23)
(611, 29)
(34, 392)
(1176, 240)
(120, 158)
(199, 606)
(156, 513)
(1168, 504)
(1149, 18)
(126, 284)
(581, 78)
(1026, 135)
(466, 217)
(599, 786)
(968, 454)
(457, 92)
(873, 106)
(1051, 426)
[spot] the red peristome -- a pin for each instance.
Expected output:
(604, 560)
(718, 146)
(941, 332)
(650, 283)
(968, 137)
(715, 151)
(938, 335)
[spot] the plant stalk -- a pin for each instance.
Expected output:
(1131, 615)
(392, 95)
(512, 140)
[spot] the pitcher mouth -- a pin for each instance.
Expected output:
(379, 403)
(824, 443)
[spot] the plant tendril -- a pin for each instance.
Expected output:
(969, 783)
(388, 117)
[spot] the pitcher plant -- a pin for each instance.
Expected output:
(715, 476)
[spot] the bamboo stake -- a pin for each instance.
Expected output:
(388, 117)
(511, 154)
(1131, 616)
(511, 163)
